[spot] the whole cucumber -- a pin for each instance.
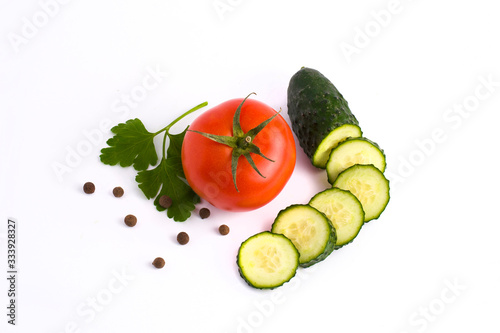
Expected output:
(319, 114)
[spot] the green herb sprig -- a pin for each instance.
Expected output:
(133, 145)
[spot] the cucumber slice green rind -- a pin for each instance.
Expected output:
(261, 273)
(316, 108)
(354, 151)
(331, 141)
(369, 185)
(344, 211)
(310, 231)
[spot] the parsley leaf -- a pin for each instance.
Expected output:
(168, 179)
(132, 144)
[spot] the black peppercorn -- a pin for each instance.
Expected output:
(89, 187)
(118, 192)
(159, 262)
(130, 220)
(182, 238)
(165, 201)
(224, 229)
(204, 213)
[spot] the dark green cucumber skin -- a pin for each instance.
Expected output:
(250, 283)
(330, 245)
(315, 108)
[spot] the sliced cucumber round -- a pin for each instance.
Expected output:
(309, 230)
(354, 151)
(344, 211)
(267, 260)
(331, 141)
(369, 185)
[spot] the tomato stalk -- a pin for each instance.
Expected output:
(240, 142)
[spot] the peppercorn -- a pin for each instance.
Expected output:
(224, 229)
(204, 213)
(182, 238)
(118, 192)
(159, 262)
(165, 201)
(130, 220)
(89, 187)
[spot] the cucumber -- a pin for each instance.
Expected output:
(309, 230)
(369, 185)
(344, 211)
(354, 151)
(336, 136)
(267, 260)
(319, 115)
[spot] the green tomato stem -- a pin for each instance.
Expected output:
(241, 142)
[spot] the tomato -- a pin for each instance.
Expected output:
(207, 163)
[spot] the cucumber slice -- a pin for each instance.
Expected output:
(309, 230)
(344, 210)
(354, 151)
(331, 141)
(369, 185)
(267, 260)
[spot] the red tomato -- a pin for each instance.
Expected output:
(207, 164)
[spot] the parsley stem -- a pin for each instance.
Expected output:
(164, 144)
(167, 128)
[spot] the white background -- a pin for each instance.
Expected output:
(428, 264)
